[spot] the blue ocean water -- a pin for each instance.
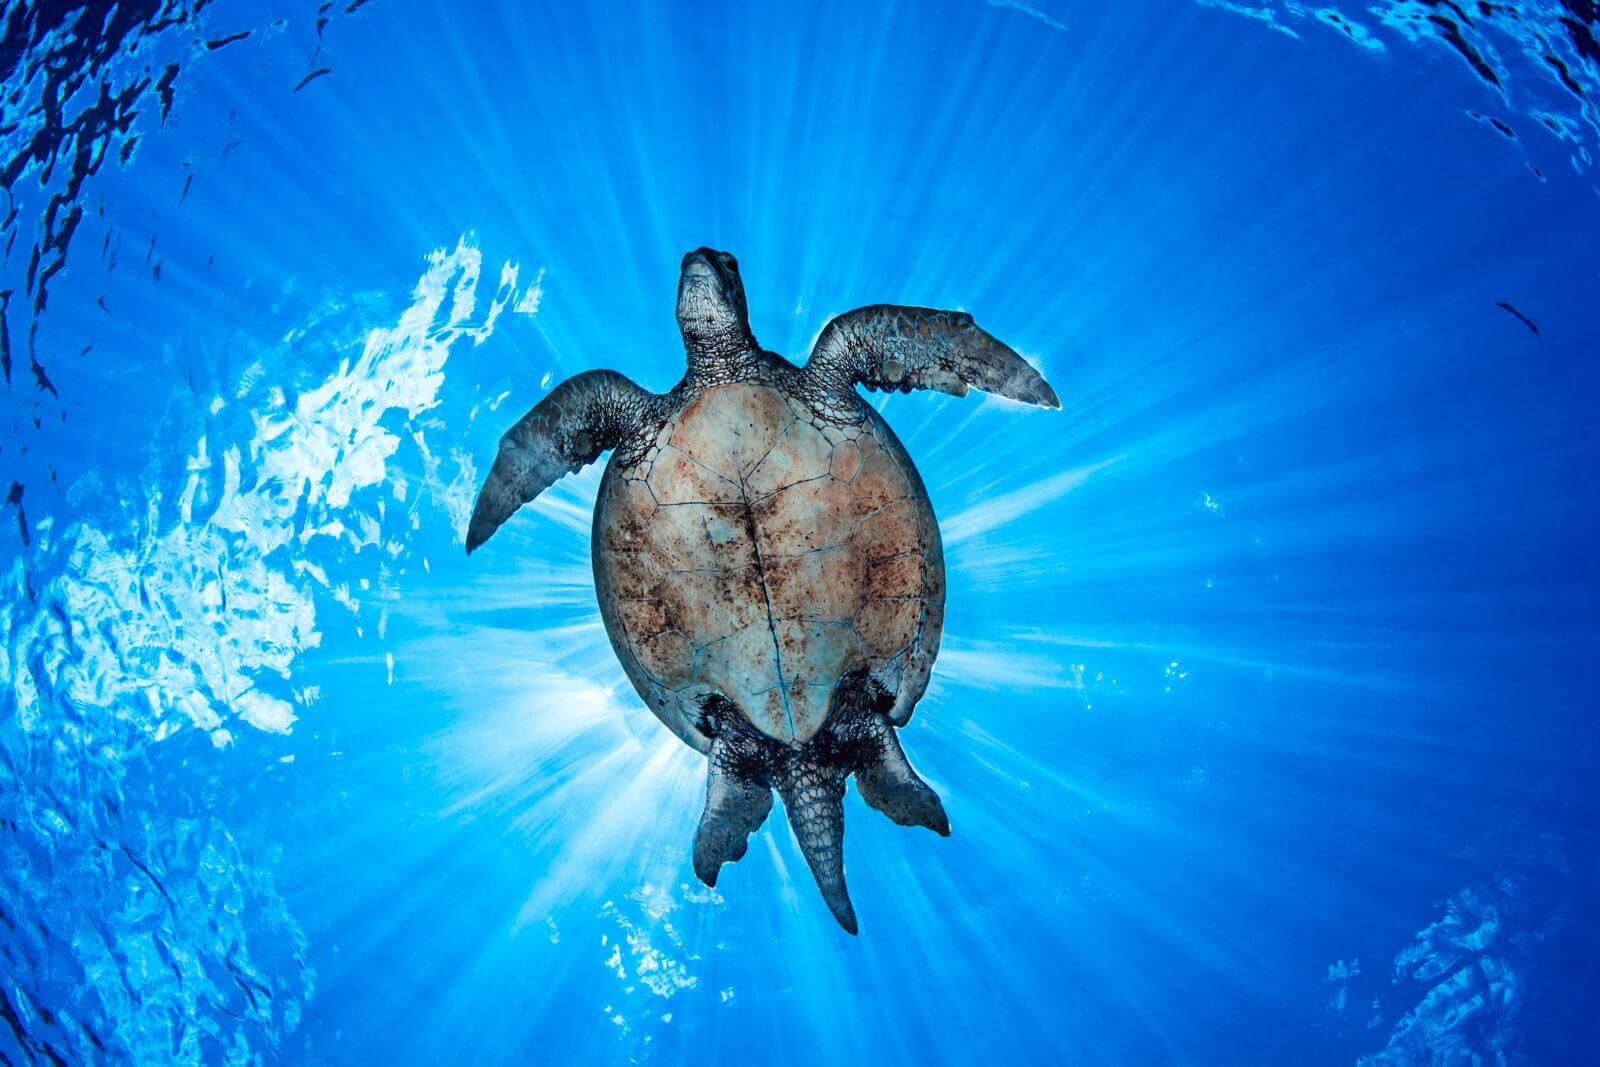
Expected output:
(1263, 716)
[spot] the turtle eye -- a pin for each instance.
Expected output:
(731, 262)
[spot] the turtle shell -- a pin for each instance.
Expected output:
(763, 550)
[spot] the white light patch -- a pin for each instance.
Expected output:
(1030, 11)
(529, 304)
(997, 666)
(993, 513)
(205, 619)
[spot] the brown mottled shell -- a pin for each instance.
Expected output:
(761, 550)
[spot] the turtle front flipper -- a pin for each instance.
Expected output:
(893, 348)
(582, 417)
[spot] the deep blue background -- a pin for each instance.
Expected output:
(1270, 659)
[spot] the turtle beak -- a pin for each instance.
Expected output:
(695, 265)
(701, 276)
(699, 270)
(698, 274)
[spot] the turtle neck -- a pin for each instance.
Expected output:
(726, 358)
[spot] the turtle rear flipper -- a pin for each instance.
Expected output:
(737, 803)
(889, 783)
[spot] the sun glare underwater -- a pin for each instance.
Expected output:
(1263, 717)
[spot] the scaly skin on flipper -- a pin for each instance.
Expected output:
(893, 348)
(888, 783)
(737, 802)
(587, 414)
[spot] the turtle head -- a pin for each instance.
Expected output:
(711, 308)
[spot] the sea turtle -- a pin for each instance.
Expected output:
(767, 562)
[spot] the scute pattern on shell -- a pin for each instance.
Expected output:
(762, 548)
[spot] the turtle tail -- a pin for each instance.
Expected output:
(813, 796)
